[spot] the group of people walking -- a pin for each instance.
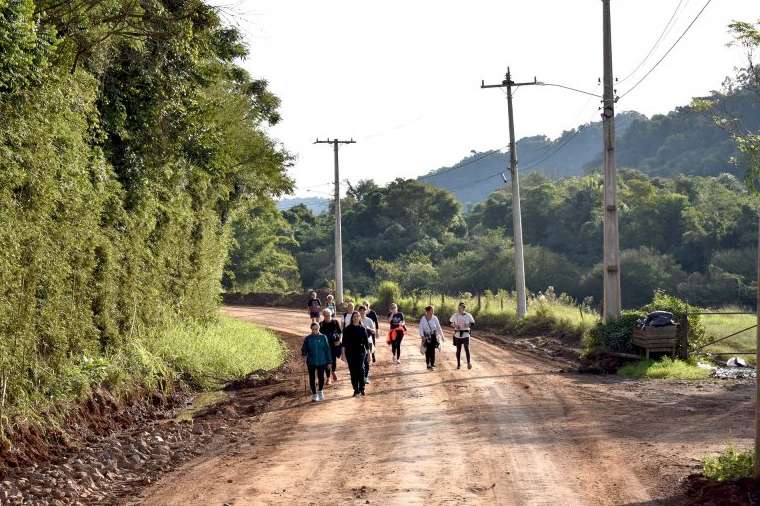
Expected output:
(353, 338)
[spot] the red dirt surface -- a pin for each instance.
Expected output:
(513, 430)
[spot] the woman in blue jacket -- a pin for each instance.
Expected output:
(318, 357)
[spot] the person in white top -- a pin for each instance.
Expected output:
(462, 322)
(368, 324)
(432, 336)
(347, 314)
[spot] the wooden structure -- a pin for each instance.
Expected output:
(656, 339)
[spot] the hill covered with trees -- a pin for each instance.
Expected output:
(687, 140)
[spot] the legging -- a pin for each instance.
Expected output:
(463, 341)
(356, 368)
(430, 354)
(319, 371)
(396, 345)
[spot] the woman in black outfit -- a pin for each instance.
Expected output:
(397, 324)
(355, 346)
(331, 328)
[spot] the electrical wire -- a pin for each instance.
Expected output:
(469, 162)
(570, 88)
(665, 30)
(667, 52)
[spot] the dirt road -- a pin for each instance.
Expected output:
(513, 430)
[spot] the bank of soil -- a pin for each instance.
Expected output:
(513, 430)
(111, 449)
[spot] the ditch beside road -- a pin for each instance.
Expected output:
(513, 430)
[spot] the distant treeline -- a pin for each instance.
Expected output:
(691, 236)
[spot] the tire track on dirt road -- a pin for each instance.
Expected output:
(495, 434)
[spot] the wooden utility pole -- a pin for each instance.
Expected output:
(338, 236)
(522, 304)
(611, 274)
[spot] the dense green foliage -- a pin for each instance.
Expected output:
(616, 335)
(729, 465)
(130, 141)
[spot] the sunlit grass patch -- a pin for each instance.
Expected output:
(208, 355)
(665, 368)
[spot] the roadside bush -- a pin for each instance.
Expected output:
(664, 302)
(729, 465)
(614, 335)
(387, 293)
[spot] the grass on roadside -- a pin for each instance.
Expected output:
(666, 368)
(717, 326)
(202, 356)
(729, 465)
(208, 355)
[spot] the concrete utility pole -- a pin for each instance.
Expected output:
(338, 236)
(756, 470)
(522, 304)
(611, 274)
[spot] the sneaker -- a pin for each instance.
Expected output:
(320, 396)
(469, 366)
(430, 368)
(459, 366)
(366, 381)
(373, 358)
(327, 380)
(363, 394)
(314, 398)
(355, 394)
(334, 377)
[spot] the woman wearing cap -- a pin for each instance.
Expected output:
(462, 322)
(330, 304)
(396, 334)
(432, 336)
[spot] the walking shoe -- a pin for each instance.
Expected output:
(314, 398)
(320, 396)
(469, 366)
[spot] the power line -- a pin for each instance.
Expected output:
(469, 162)
(667, 52)
(570, 88)
(665, 30)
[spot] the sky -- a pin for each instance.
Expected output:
(402, 78)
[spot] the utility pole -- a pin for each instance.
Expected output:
(611, 274)
(522, 304)
(338, 236)
(756, 470)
